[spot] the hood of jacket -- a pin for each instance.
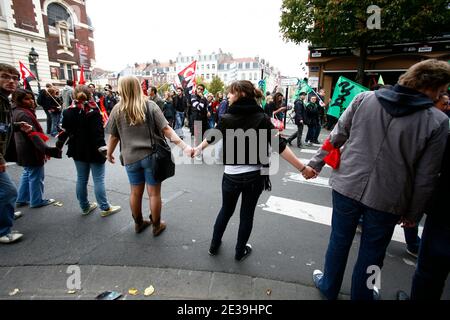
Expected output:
(401, 101)
(245, 106)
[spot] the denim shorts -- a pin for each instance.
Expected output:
(141, 172)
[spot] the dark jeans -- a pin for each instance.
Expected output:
(313, 133)
(251, 186)
(297, 135)
(433, 264)
(377, 231)
(49, 121)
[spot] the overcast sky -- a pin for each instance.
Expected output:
(138, 31)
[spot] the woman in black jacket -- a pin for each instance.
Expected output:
(83, 126)
(247, 126)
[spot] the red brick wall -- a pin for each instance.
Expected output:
(25, 15)
(81, 36)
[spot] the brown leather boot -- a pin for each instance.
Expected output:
(158, 228)
(140, 224)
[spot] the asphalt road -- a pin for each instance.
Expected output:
(286, 248)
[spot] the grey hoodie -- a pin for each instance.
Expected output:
(392, 143)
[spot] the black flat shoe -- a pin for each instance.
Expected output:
(247, 252)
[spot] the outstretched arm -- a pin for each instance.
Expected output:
(174, 138)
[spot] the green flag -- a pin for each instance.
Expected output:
(262, 84)
(303, 86)
(380, 80)
(343, 95)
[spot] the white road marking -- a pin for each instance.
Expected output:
(313, 213)
(298, 178)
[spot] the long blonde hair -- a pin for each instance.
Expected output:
(133, 101)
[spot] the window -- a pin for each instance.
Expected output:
(182, 59)
(240, 65)
(213, 66)
(247, 65)
(56, 13)
(250, 77)
(65, 72)
(255, 65)
(243, 76)
(207, 76)
(63, 32)
(256, 76)
(207, 66)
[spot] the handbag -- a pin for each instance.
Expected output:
(163, 166)
(278, 124)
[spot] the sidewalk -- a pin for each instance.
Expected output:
(50, 282)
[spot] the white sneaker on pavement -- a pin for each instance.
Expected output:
(11, 237)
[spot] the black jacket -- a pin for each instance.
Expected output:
(312, 114)
(246, 114)
(181, 104)
(299, 108)
(85, 133)
(438, 207)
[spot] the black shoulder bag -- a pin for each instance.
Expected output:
(163, 166)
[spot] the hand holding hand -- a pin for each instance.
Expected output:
(188, 151)
(197, 151)
(407, 222)
(309, 173)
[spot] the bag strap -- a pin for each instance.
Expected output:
(149, 120)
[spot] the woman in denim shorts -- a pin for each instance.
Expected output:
(129, 126)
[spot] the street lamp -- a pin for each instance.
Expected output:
(33, 59)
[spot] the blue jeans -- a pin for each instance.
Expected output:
(31, 187)
(377, 230)
(433, 264)
(98, 175)
(8, 195)
(211, 122)
(55, 122)
(179, 123)
(250, 185)
(141, 172)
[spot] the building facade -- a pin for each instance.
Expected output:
(59, 31)
(389, 61)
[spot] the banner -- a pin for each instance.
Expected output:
(343, 95)
(303, 86)
(262, 84)
(83, 52)
(26, 75)
(187, 76)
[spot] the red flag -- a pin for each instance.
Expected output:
(187, 76)
(26, 75)
(81, 81)
(144, 87)
(333, 158)
(103, 111)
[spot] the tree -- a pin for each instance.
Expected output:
(344, 23)
(216, 85)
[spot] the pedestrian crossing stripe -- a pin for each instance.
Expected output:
(313, 213)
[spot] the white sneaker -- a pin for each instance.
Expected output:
(17, 215)
(92, 207)
(110, 211)
(11, 237)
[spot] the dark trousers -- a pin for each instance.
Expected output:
(313, 133)
(377, 231)
(49, 121)
(297, 135)
(250, 185)
(433, 264)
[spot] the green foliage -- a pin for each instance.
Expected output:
(215, 85)
(337, 23)
(343, 23)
